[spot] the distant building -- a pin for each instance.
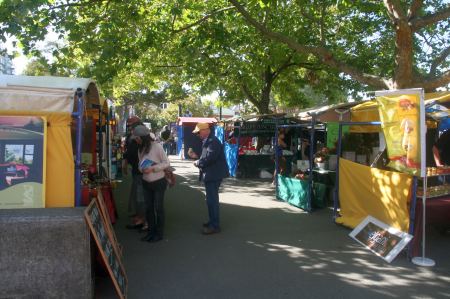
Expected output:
(6, 67)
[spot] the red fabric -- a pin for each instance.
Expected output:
(85, 196)
(109, 202)
(437, 213)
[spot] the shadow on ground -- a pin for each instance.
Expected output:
(267, 249)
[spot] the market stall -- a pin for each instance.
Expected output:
(56, 100)
(389, 194)
(97, 155)
(249, 145)
(298, 187)
(41, 128)
(311, 182)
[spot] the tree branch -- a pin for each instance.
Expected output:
(419, 23)
(433, 83)
(282, 67)
(394, 9)
(438, 60)
(414, 8)
(206, 17)
(322, 53)
(251, 98)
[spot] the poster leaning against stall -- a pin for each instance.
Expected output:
(22, 161)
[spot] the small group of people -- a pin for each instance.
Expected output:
(146, 199)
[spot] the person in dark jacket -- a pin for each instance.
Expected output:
(213, 169)
(136, 206)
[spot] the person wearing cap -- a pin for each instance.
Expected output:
(136, 206)
(213, 169)
(153, 181)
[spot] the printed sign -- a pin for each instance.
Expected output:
(378, 237)
(402, 116)
(263, 127)
(22, 161)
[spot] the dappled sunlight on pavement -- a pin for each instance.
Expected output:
(267, 249)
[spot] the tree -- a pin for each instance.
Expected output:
(391, 44)
(141, 45)
(37, 67)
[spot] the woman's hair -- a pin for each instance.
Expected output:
(146, 144)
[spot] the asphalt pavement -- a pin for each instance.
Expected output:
(267, 249)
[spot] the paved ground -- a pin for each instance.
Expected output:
(267, 249)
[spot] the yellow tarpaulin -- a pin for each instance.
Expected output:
(365, 112)
(367, 191)
(60, 170)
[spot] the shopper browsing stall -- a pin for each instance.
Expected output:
(136, 207)
(152, 163)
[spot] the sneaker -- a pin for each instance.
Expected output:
(144, 229)
(148, 237)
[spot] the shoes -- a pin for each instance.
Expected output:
(148, 237)
(205, 225)
(134, 226)
(209, 230)
(144, 229)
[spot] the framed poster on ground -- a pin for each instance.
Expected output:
(22, 161)
(381, 239)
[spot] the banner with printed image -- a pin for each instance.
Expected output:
(402, 118)
(22, 161)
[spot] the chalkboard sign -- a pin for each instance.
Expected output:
(378, 237)
(108, 251)
(107, 220)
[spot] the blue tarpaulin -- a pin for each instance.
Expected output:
(219, 133)
(231, 154)
(180, 139)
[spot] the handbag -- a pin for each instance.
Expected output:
(170, 176)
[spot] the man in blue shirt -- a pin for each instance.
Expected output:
(213, 169)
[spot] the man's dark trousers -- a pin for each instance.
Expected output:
(212, 201)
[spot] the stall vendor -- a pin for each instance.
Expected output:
(441, 150)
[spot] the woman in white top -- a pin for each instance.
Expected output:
(153, 181)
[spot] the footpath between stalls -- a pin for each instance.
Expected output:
(267, 249)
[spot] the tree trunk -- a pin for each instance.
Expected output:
(263, 104)
(403, 76)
